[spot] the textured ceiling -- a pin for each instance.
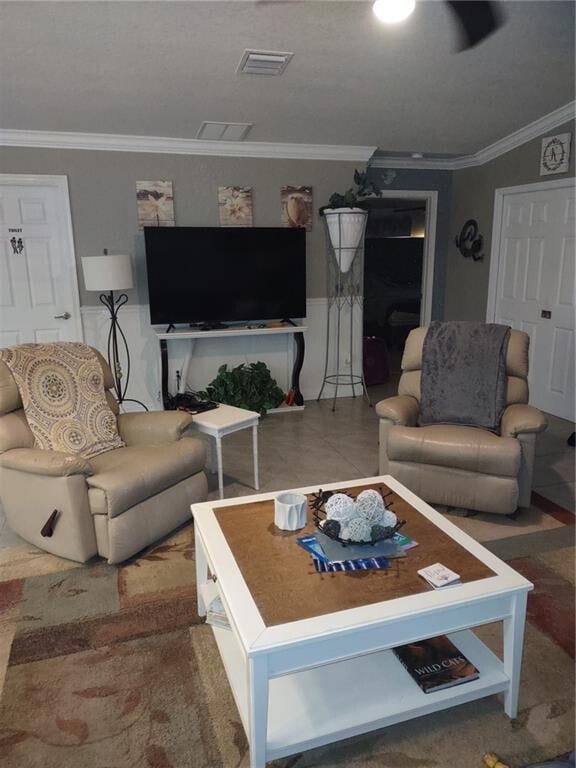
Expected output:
(161, 68)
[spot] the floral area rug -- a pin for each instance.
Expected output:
(111, 667)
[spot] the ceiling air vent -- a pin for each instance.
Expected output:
(214, 131)
(263, 62)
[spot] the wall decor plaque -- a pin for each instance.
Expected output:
(555, 154)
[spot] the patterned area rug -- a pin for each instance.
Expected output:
(540, 519)
(111, 667)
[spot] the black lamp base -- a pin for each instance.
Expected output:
(115, 337)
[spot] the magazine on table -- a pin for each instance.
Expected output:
(329, 555)
(389, 548)
(362, 564)
(216, 614)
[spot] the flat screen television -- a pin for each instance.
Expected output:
(225, 274)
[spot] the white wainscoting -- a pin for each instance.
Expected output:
(275, 351)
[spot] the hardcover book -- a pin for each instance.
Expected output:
(436, 664)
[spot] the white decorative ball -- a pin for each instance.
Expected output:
(370, 506)
(340, 507)
(389, 519)
(359, 529)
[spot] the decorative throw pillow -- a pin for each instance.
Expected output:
(62, 390)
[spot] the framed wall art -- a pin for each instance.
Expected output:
(296, 207)
(155, 202)
(235, 207)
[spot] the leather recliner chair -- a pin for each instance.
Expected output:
(113, 504)
(459, 466)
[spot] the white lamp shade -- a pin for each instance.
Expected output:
(108, 272)
(346, 230)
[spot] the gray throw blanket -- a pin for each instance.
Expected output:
(464, 374)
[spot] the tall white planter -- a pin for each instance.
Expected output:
(346, 230)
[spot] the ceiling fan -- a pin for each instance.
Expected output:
(476, 19)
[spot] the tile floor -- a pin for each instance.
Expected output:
(554, 468)
(320, 446)
(307, 447)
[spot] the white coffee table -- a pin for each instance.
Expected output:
(223, 421)
(304, 683)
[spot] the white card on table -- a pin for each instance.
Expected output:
(438, 575)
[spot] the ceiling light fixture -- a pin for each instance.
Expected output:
(393, 11)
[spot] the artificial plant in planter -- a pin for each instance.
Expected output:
(245, 386)
(346, 219)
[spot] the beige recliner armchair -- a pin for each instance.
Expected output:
(113, 504)
(454, 465)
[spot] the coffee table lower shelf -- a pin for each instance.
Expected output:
(342, 699)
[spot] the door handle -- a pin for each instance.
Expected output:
(546, 314)
(63, 316)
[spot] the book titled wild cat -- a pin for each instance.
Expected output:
(436, 664)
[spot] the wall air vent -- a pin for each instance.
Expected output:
(263, 62)
(214, 131)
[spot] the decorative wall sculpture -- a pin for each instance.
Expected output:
(469, 242)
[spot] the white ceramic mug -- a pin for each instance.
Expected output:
(290, 511)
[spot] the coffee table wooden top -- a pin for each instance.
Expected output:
(285, 585)
(274, 598)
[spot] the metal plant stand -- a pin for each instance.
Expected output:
(345, 289)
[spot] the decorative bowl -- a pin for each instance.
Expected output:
(333, 528)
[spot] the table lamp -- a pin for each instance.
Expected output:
(110, 273)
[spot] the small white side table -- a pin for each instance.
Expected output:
(223, 421)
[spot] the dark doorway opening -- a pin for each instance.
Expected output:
(393, 267)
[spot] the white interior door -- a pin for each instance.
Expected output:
(535, 287)
(38, 285)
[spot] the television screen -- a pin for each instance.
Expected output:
(219, 274)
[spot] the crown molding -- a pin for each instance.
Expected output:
(262, 149)
(531, 131)
(422, 163)
(163, 145)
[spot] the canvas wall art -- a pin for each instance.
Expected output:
(235, 206)
(155, 204)
(296, 207)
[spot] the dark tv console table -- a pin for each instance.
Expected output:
(194, 333)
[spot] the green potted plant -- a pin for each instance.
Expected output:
(245, 386)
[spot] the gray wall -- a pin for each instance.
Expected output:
(103, 202)
(428, 180)
(103, 197)
(473, 198)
